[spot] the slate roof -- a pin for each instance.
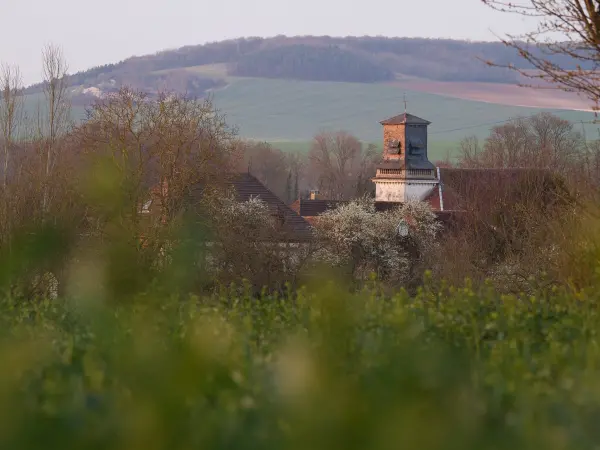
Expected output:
(295, 227)
(314, 208)
(245, 186)
(311, 208)
(405, 119)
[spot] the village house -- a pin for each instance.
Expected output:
(404, 173)
(292, 228)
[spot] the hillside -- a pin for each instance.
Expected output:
(354, 59)
(284, 90)
(288, 113)
(284, 110)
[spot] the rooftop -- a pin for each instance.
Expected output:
(405, 118)
(246, 186)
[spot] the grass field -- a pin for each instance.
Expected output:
(289, 113)
(284, 110)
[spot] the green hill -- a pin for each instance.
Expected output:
(322, 58)
(289, 113)
(283, 110)
(286, 89)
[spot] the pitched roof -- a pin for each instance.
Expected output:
(314, 208)
(311, 208)
(246, 186)
(405, 118)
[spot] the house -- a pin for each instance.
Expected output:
(292, 228)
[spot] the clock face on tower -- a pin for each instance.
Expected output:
(394, 146)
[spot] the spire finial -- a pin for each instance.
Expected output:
(405, 105)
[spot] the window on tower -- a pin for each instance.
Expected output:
(415, 145)
(394, 146)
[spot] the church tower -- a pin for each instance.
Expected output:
(406, 172)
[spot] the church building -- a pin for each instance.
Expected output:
(405, 172)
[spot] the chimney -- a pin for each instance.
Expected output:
(314, 195)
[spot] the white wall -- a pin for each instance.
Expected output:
(418, 191)
(389, 191)
(401, 191)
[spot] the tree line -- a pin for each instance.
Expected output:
(322, 58)
(316, 63)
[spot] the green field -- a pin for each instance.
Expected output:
(289, 113)
(295, 110)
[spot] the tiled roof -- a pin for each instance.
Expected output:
(310, 208)
(405, 119)
(314, 208)
(433, 198)
(246, 186)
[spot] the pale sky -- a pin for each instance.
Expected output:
(101, 32)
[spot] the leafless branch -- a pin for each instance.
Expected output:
(564, 49)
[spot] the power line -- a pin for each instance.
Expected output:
(403, 97)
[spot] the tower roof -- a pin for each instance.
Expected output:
(404, 118)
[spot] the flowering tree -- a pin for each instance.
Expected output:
(390, 244)
(247, 243)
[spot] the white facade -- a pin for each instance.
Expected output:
(389, 190)
(402, 190)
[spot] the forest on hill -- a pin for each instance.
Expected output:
(324, 58)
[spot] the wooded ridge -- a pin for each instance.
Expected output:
(318, 58)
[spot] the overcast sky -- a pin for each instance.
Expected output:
(100, 32)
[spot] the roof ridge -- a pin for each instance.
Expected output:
(403, 119)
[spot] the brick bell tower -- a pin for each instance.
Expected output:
(406, 172)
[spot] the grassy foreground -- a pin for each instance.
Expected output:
(447, 369)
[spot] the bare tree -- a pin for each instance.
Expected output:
(11, 113)
(511, 227)
(268, 164)
(159, 149)
(366, 168)
(54, 118)
(558, 144)
(570, 63)
(543, 141)
(337, 163)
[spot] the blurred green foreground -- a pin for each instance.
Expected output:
(316, 369)
(133, 364)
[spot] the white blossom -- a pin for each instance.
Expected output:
(355, 233)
